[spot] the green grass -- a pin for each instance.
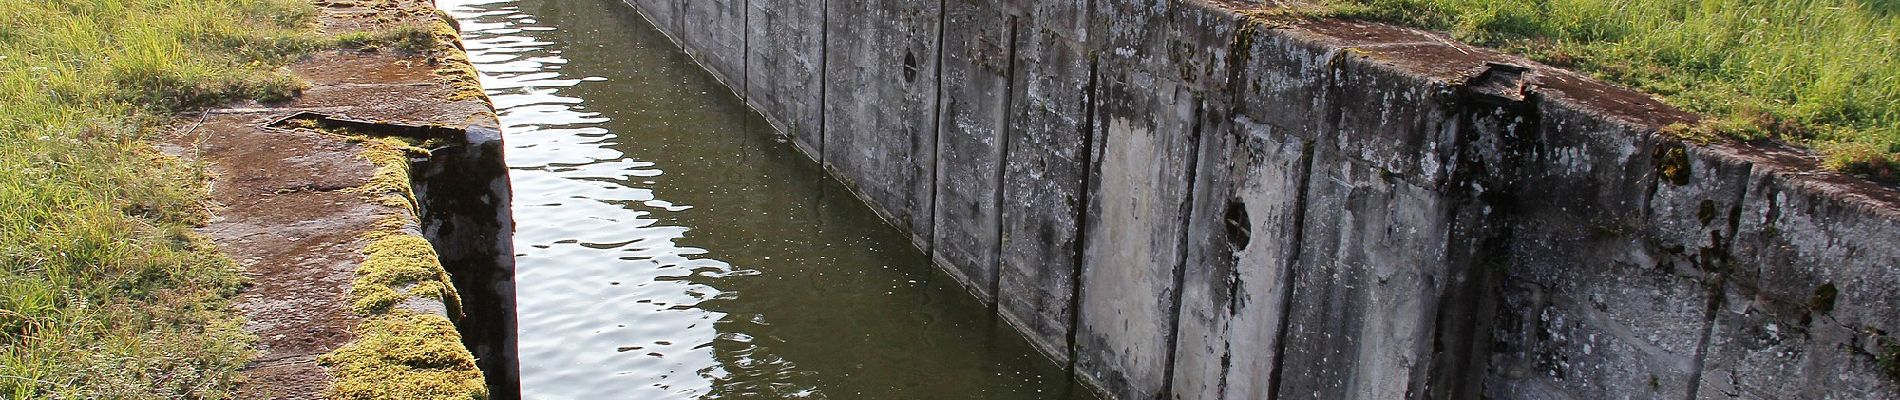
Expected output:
(1819, 73)
(105, 291)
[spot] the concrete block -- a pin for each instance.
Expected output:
(1045, 182)
(1285, 81)
(1135, 35)
(1067, 19)
(1242, 237)
(665, 14)
(785, 68)
(1589, 313)
(1811, 307)
(881, 106)
(1366, 283)
(1593, 170)
(1396, 120)
(1206, 48)
(1133, 238)
(715, 34)
(977, 47)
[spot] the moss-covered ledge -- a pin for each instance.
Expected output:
(407, 345)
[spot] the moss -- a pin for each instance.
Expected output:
(1822, 302)
(400, 354)
(1887, 355)
(390, 185)
(412, 38)
(405, 355)
(1673, 164)
(397, 266)
(452, 65)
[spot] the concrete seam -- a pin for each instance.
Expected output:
(1197, 135)
(936, 136)
(1290, 273)
(1333, 117)
(1708, 329)
(1002, 159)
(824, 78)
(1717, 291)
(1083, 200)
(745, 51)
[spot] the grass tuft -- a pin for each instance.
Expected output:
(1818, 73)
(413, 39)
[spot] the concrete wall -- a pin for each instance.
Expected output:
(1180, 201)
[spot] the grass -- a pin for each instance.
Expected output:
(1819, 73)
(105, 291)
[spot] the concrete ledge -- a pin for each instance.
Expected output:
(358, 293)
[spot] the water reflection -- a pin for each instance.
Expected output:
(673, 247)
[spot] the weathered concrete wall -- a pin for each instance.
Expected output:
(977, 45)
(1183, 201)
(716, 35)
(785, 65)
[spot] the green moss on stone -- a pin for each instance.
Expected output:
(452, 65)
(1673, 164)
(390, 186)
(400, 353)
(1822, 302)
(396, 267)
(405, 355)
(1887, 355)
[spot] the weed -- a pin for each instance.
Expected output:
(410, 38)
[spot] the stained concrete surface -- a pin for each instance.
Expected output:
(1194, 203)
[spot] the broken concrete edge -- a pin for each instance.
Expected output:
(1435, 59)
(1774, 294)
(407, 344)
(1761, 276)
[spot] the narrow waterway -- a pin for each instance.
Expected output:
(673, 247)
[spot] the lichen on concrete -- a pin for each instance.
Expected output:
(406, 351)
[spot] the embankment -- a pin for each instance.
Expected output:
(1189, 201)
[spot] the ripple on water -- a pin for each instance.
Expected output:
(632, 194)
(573, 204)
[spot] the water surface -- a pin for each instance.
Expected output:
(673, 247)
